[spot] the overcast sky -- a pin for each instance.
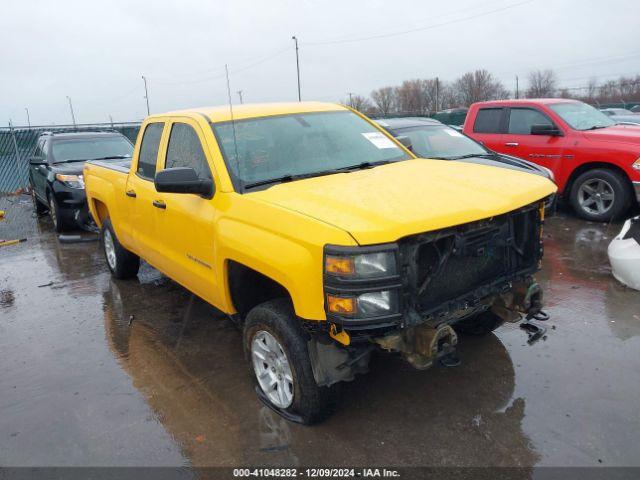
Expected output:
(96, 51)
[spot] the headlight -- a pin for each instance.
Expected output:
(370, 304)
(636, 164)
(364, 265)
(72, 181)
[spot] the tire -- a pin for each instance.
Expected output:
(122, 263)
(57, 218)
(38, 207)
(600, 195)
(309, 403)
(479, 325)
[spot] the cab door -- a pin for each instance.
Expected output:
(38, 170)
(545, 150)
(488, 127)
(186, 223)
(141, 195)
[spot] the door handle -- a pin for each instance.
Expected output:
(131, 193)
(159, 204)
(511, 144)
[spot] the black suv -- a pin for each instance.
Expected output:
(55, 172)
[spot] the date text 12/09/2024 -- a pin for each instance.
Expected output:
(316, 473)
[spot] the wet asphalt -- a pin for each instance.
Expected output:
(101, 372)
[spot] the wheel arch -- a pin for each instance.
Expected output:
(99, 211)
(248, 287)
(592, 166)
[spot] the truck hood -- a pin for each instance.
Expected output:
(386, 203)
(616, 134)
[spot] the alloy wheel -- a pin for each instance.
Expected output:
(109, 249)
(272, 369)
(596, 196)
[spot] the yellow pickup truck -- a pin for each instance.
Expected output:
(322, 237)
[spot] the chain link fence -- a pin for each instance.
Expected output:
(17, 145)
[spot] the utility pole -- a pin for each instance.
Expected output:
(295, 39)
(437, 92)
(28, 119)
(517, 88)
(350, 99)
(146, 93)
(240, 95)
(111, 119)
(73, 117)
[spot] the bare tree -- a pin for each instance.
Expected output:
(592, 89)
(478, 86)
(385, 100)
(542, 83)
(360, 103)
(418, 96)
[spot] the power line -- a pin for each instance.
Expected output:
(420, 29)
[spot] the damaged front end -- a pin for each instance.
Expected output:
(431, 283)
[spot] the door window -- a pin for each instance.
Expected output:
(185, 150)
(522, 119)
(488, 120)
(149, 150)
(39, 152)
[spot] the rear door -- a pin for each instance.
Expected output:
(545, 150)
(186, 224)
(488, 126)
(142, 196)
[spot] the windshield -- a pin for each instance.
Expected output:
(260, 149)
(581, 116)
(440, 141)
(90, 148)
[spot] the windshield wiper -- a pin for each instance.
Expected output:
(595, 127)
(290, 177)
(111, 157)
(471, 155)
(71, 160)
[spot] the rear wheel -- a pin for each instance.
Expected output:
(481, 324)
(121, 262)
(600, 195)
(276, 348)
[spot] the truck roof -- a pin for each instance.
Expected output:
(222, 113)
(525, 101)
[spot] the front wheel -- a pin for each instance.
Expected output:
(121, 262)
(57, 217)
(38, 207)
(600, 195)
(276, 348)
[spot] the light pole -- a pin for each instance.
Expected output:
(73, 117)
(240, 95)
(28, 119)
(294, 38)
(350, 99)
(517, 88)
(146, 93)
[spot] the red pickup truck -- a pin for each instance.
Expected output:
(596, 163)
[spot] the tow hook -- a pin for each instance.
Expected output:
(535, 331)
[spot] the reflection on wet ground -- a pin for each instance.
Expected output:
(95, 371)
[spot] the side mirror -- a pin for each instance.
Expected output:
(183, 180)
(545, 129)
(36, 161)
(406, 141)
